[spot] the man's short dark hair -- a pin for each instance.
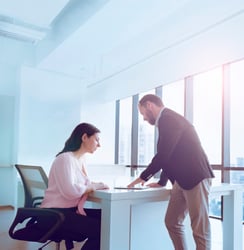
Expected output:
(151, 98)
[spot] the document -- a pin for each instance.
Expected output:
(131, 188)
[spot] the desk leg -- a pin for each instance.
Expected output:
(115, 228)
(232, 221)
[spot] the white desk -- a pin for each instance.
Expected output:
(117, 207)
(232, 214)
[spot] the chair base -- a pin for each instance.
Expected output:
(47, 243)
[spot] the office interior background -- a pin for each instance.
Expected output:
(64, 62)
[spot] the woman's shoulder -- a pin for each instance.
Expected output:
(63, 162)
(63, 157)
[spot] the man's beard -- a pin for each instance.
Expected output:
(151, 120)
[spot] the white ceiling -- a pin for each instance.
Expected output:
(113, 25)
(81, 32)
(82, 35)
(40, 13)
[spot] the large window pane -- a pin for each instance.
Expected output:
(173, 96)
(237, 177)
(215, 203)
(237, 122)
(207, 112)
(145, 138)
(236, 114)
(125, 125)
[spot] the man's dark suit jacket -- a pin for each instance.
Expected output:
(179, 152)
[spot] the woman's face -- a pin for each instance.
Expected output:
(91, 143)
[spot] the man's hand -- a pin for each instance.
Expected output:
(153, 185)
(136, 181)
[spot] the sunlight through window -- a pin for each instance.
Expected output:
(125, 124)
(207, 112)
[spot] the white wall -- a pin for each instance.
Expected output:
(50, 106)
(8, 96)
(49, 109)
(102, 116)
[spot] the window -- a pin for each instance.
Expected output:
(236, 114)
(146, 134)
(173, 96)
(125, 125)
(237, 123)
(204, 93)
(215, 203)
(207, 112)
(207, 119)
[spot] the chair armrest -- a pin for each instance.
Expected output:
(37, 224)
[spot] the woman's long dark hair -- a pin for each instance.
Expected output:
(73, 143)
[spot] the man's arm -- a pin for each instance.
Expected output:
(162, 181)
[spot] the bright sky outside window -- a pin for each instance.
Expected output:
(236, 114)
(173, 96)
(145, 137)
(125, 124)
(207, 112)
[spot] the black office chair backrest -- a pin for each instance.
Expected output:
(42, 224)
(35, 183)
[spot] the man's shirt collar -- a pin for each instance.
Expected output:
(157, 119)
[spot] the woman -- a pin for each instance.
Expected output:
(69, 185)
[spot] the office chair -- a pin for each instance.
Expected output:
(36, 224)
(35, 183)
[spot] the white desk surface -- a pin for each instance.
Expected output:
(113, 194)
(160, 193)
(117, 209)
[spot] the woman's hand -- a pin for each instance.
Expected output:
(96, 186)
(99, 186)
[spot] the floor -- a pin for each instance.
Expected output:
(6, 243)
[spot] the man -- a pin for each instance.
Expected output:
(184, 162)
